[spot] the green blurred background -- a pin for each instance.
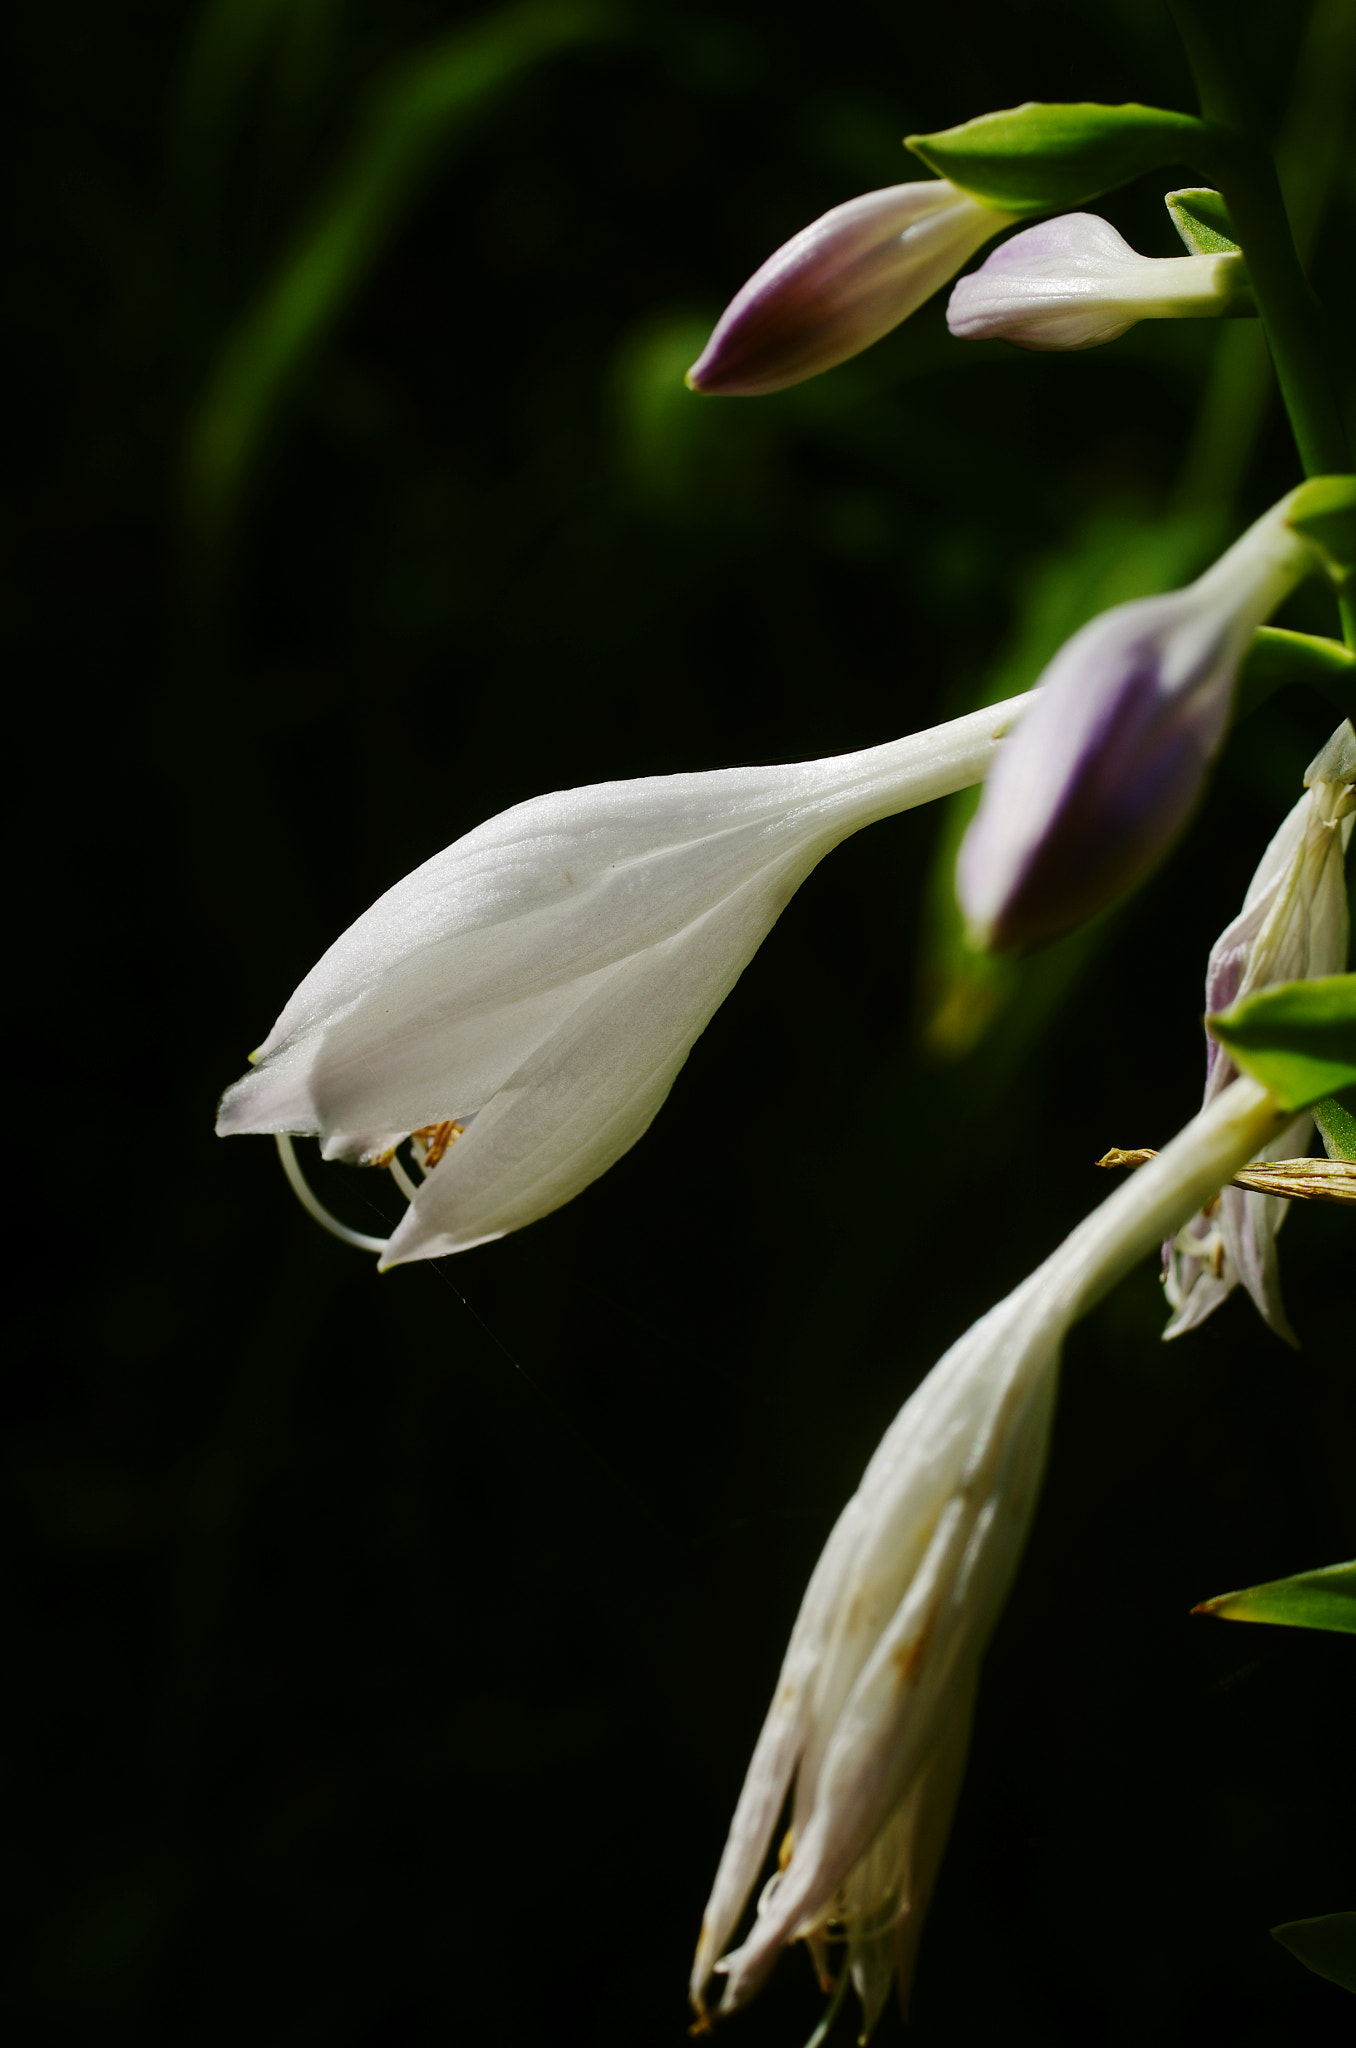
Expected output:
(386, 1652)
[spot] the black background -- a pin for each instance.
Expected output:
(385, 1653)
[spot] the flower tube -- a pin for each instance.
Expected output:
(1114, 753)
(870, 1714)
(842, 283)
(522, 1002)
(1073, 283)
(1293, 927)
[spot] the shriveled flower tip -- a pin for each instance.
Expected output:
(1104, 771)
(840, 284)
(1074, 283)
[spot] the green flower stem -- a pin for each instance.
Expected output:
(1241, 166)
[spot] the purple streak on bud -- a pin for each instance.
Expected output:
(1105, 768)
(1104, 774)
(841, 284)
(1073, 283)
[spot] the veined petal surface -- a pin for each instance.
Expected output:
(542, 980)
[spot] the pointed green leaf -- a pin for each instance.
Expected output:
(1201, 218)
(1326, 1945)
(1298, 1039)
(1336, 1127)
(1323, 1599)
(1041, 158)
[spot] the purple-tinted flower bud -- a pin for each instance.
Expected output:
(1105, 768)
(1074, 283)
(841, 284)
(1293, 927)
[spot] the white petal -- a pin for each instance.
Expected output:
(492, 968)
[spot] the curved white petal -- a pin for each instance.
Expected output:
(548, 974)
(1073, 283)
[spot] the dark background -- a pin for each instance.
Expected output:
(385, 1653)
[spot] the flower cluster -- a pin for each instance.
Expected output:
(517, 1009)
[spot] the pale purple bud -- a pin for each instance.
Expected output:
(841, 284)
(1074, 283)
(1105, 768)
(1293, 926)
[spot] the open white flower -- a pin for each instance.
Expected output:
(1293, 927)
(532, 991)
(870, 1715)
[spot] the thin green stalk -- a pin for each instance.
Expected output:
(1243, 169)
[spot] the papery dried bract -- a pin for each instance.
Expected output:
(542, 981)
(1293, 927)
(840, 284)
(1113, 755)
(1074, 283)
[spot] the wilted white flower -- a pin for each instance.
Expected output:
(1113, 754)
(1293, 927)
(1073, 283)
(841, 284)
(870, 1716)
(522, 1002)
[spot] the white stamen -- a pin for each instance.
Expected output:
(315, 1207)
(402, 1179)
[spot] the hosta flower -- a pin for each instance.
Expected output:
(1074, 283)
(1113, 754)
(1292, 927)
(870, 1715)
(522, 1002)
(841, 284)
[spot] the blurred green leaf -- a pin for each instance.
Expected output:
(1322, 1599)
(1041, 158)
(1326, 1945)
(1298, 1039)
(1336, 1127)
(1201, 218)
(415, 112)
(230, 43)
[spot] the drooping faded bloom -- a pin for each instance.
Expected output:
(522, 1002)
(1074, 283)
(1114, 753)
(842, 283)
(1293, 927)
(870, 1716)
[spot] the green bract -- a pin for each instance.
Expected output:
(1202, 220)
(1337, 1128)
(1326, 1945)
(1041, 158)
(1322, 1599)
(1324, 511)
(1298, 1039)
